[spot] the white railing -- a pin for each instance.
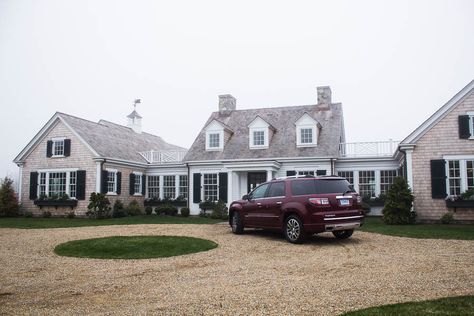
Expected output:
(368, 149)
(164, 156)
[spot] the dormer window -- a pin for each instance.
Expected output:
(307, 131)
(214, 140)
(260, 133)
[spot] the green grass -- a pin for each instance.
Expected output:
(455, 306)
(436, 231)
(133, 247)
(81, 222)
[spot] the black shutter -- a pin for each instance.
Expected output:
(438, 179)
(67, 147)
(464, 132)
(49, 149)
(320, 172)
(143, 184)
(103, 182)
(223, 186)
(196, 187)
(33, 185)
(132, 184)
(81, 185)
(119, 182)
(290, 173)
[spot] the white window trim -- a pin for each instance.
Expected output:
(62, 170)
(221, 140)
(462, 170)
(115, 182)
(252, 139)
(139, 175)
(471, 124)
(54, 140)
(202, 184)
(298, 136)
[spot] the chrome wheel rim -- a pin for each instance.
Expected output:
(293, 229)
(234, 222)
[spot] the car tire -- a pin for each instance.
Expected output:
(294, 230)
(237, 224)
(343, 234)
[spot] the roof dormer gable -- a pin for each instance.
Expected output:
(260, 133)
(307, 131)
(217, 133)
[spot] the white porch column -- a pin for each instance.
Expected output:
(98, 176)
(269, 175)
(230, 182)
(377, 182)
(176, 187)
(161, 188)
(409, 162)
(355, 175)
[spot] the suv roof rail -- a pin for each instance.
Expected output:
(295, 177)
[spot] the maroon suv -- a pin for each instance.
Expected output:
(300, 206)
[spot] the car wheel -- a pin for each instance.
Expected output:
(294, 230)
(343, 234)
(237, 224)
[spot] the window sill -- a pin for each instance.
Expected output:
(138, 194)
(214, 149)
(306, 145)
(58, 156)
(259, 147)
(111, 193)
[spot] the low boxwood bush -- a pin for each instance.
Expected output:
(185, 211)
(220, 211)
(447, 219)
(119, 210)
(148, 210)
(167, 209)
(134, 209)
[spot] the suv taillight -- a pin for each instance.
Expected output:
(319, 201)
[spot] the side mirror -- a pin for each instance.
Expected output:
(245, 197)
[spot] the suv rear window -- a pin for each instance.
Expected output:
(320, 186)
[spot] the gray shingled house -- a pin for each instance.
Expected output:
(74, 156)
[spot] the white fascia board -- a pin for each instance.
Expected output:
(122, 162)
(438, 115)
(277, 159)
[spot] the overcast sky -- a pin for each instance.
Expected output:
(390, 63)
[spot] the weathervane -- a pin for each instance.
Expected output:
(137, 101)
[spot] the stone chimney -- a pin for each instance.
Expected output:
(135, 122)
(227, 103)
(324, 95)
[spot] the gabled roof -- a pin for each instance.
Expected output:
(306, 114)
(270, 126)
(224, 125)
(283, 142)
(438, 115)
(104, 139)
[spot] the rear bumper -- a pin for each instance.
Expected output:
(333, 224)
(342, 226)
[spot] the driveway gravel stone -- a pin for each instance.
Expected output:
(252, 274)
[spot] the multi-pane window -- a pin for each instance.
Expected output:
(169, 187)
(72, 184)
(386, 180)
(367, 183)
(138, 184)
(306, 173)
(306, 135)
(454, 177)
(111, 181)
(42, 184)
(470, 174)
(153, 186)
(183, 186)
(259, 138)
(214, 140)
(57, 183)
(210, 187)
(349, 175)
(58, 147)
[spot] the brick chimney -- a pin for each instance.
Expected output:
(227, 103)
(324, 95)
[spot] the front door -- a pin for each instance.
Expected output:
(254, 179)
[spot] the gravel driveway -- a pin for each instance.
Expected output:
(256, 273)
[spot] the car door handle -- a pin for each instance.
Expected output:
(279, 202)
(259, 204)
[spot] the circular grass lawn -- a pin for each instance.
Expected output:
(133, 247)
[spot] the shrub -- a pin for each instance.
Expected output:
(468, 195)
(398, 206)
(118, 209)
(70, 214)
(8, 202)
(447, 218)
(148, 210)
(185, 211)
(133, 208)
(47, 214)
(28, 214)
(220, 211)
(167, 209)
(99, 205)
